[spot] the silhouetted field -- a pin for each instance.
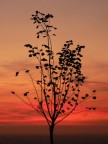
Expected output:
(63, 134)
(77, 139)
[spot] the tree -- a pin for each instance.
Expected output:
(60, 82)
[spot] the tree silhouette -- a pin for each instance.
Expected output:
(60, 82)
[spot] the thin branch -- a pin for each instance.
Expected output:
(34, 86)
(29, 104)
(68, 115)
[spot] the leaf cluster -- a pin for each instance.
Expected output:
(60, 83)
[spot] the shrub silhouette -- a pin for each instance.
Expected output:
(60, 83)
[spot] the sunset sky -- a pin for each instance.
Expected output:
(83, 21)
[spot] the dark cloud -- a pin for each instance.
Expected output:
(17, 65)
(9, 69)
(97, 74)
(98, 67)
(17, 114)
(98, 85)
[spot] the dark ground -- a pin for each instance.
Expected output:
(78, 139)
(88, 134)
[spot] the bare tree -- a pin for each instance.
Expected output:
(60, 82)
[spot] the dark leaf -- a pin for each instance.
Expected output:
(37, 12)
(26, 93)
(68, 108)
(94, 91)
(34, 54)
(30, 55)
(49, 26)
(59, 53)
(56, 78)
(39, 81)
(94, 108)
(50, 83)
(34, 21)
(89, 108)
(37, 67)
(31, 51)
(13, 92)
(27, 71)
(43, 59)
(86, 95)
(76, 103)
(78, 59)
(94, 97)
(37, 26)
(46, 46)
(44, 36)
(54, 72)
(45, 65)
(63, 111)
(51, 16)
(37, 53)
(35, 47)
(41, 50)
(64, 100)
(41, 103)
(76, 85)
(45, 76)
(28, 45)
(47, 16)
(65, 45)
(69, 102)
(17, 73)
(48, 96)
(65, 68)
(46, 68)
(42, 54)
(76, 95)
(55, 28)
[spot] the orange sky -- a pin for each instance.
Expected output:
(83, 21)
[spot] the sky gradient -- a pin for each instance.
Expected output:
(83, 21)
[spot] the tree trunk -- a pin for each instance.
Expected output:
(51, 134)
